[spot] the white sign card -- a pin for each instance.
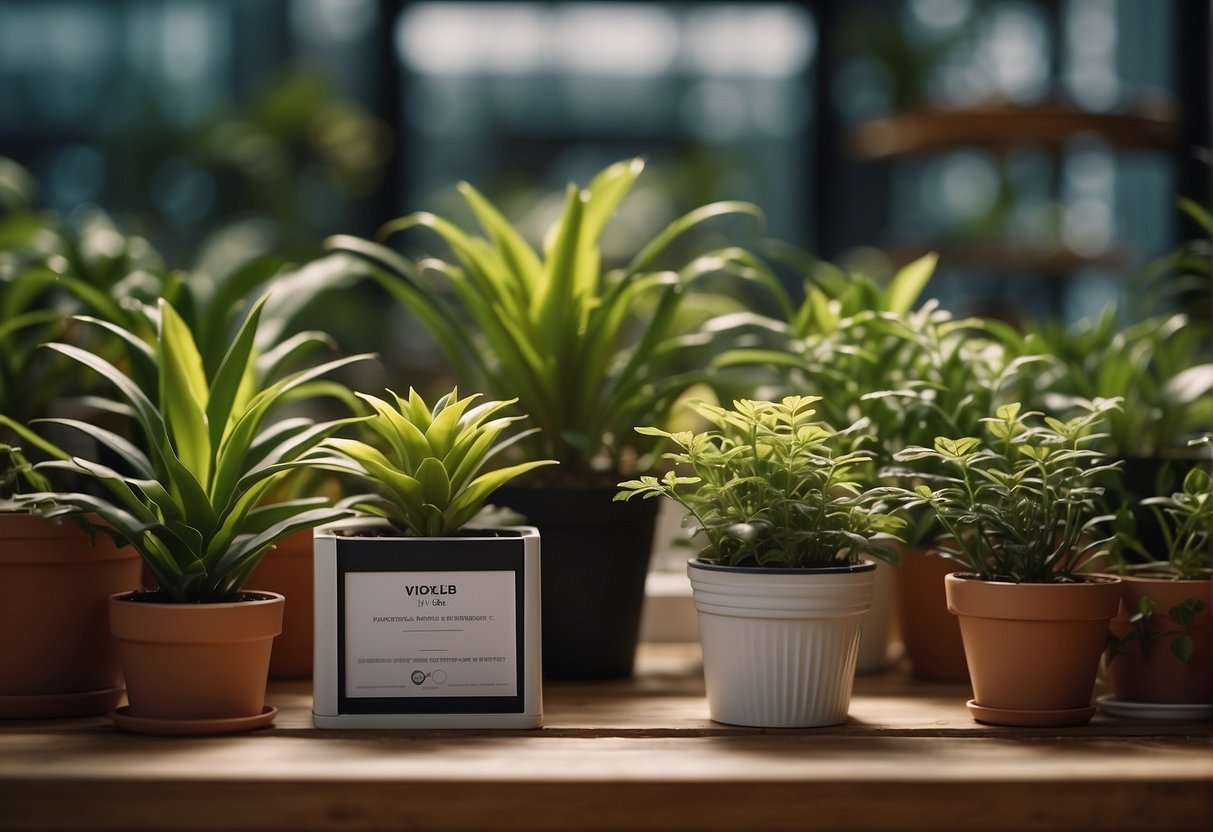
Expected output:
(430, 634)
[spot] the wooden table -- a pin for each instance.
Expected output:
(629, 755)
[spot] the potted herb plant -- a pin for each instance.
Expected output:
(589, 351)
(1158, 660)
(423, 618)
(781, 587)
(877, 350)
(1016, 505)
(193, 505)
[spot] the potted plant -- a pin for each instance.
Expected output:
(914, 371)
(1016, 507)
(781, 587)
(195, 651)
(56, 656)
(424, 618)
(1158, 659)
(588, 351)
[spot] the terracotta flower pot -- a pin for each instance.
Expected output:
(1159, 676)
(1033, 649)
(287, 570)
(57, 658)
(929, 633)
(188, 665)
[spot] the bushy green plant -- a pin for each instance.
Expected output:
(773, 486)
(912, 373)
(427, 465)
(194, 499)
(1016, 503)
(589, 351)
(1183, 520)
(1160, 365)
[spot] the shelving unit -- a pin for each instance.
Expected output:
(639, 754)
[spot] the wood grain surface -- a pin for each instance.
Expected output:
(633, 755)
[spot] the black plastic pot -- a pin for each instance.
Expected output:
(593, 562)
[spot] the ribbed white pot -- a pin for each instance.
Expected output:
(779, 645)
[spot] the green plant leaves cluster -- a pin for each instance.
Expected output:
(195, 499)
(1016, 503)
(427, 465)
(588, 352)
(773, 486)
(1183, 519)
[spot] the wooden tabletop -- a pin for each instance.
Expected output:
(631, 755)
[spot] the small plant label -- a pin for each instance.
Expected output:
(415, 632)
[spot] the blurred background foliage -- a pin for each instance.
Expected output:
(211, 134)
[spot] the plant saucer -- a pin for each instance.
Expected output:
(1181, 712)
(57, 705)
(1030, 719)
(192, 727)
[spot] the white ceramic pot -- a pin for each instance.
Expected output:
(780, 645)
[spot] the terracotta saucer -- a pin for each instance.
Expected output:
(55, 705)
(1030, 719)
(192, 727)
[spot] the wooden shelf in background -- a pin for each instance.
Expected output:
(635, 755)
(1000, 126)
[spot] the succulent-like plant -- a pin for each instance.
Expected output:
(1017, 503)
(427, 465)
(194, 501)
(772, 486)
(588, 351)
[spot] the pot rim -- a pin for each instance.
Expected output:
(264, 596)
(863, 566)
(1093, 579)
(371, 528)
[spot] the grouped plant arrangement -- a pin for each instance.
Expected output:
(1158, 649)
(913, 371)
(1018, 506)
(589, 350)
(773, 488)
(429, 475)
(194, 503)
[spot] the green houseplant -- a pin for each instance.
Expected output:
(428, 468)
(194, 505)
(877, 350)
(781, 586)
(1016, 508)
(56, 656)
(1158, 657)
(589, 350)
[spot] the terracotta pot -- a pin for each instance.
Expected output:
(1033, 649)
(1159, 677)
(929, 633)
(196, 662)
(57, 658)
(287, 570)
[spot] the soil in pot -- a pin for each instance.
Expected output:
(194, 664)
(1156, 674)
(594, 560)
(1033, 649)
(57, 658)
